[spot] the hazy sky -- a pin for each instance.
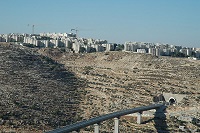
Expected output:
(168, 21)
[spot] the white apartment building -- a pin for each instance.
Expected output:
(76, 46)
(131, 46)
(141, 51)
(98, 47)
(11, 38)
(154, 51)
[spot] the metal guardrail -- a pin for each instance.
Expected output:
(99, 119)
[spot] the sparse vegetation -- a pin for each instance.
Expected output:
(35, 90)
(58, 88)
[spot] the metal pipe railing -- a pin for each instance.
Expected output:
(79, 125)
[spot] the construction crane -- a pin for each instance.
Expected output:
(76, 32)
(33, 28)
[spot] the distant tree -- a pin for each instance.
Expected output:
(119, 47)
(193, 54)
(178, 54)
(69, 46)
(115, 45)
(29, 45)
(182, 55)
(63, 49)
(82, 50)
(93, 50)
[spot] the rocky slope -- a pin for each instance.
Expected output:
(36, 93)
(42, 89)
(121, 80)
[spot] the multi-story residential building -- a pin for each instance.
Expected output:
(11, 37)
(76, 46)
(70, 40)
(154, 51)
(141, 51)
(131, 46)
(158, 49)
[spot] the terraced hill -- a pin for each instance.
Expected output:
(42, 89)
(121, 80)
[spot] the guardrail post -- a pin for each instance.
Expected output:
(139, 117)
(116, 128)
(96, 128)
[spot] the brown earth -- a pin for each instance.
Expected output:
(56, 87)
(36, 93)
(122, 80)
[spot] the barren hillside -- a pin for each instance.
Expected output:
(42, 89)
(36, 93)
(121, 80)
